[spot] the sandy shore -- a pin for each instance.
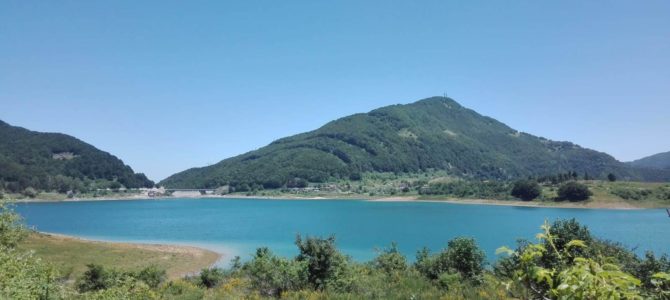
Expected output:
(142, 197)
(177, 260)
(573, 205)
(564, 204)
(162, 248)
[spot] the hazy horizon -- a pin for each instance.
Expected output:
(169, 86)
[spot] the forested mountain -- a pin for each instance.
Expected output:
(59, 162)
(431, 134)
(660, 161)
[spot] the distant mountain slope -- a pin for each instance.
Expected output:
(660, 161)
(434, 133)
(55, 161)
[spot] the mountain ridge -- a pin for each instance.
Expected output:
(57, 161)
(435, 133)
(658, 161)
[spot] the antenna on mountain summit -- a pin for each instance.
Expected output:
(445, 95)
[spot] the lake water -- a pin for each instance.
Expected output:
(238, 226)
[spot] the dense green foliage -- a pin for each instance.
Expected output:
(462, 257)
(22, 276)
(659, 161)
(324, 262)
(390, 260)
(573, 191)
(58, 162)
(99, 278)
(568, 263)
(611, 177)
(431, 134)
(565, 263)
(467, 189)
(526, 190)
(642, 193)
(210, 277)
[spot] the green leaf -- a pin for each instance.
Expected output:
(504, 250)
(576, 243)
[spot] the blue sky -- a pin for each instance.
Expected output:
(169, 85)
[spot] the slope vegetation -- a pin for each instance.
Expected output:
(431, 134)
(55, 161)
(660, 161)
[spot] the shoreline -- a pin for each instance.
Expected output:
(589, 204)
(516, 203)
(194, 251)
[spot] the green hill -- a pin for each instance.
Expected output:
(58, 162)
(431, 134)
(660, 161)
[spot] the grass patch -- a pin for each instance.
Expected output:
(70, 255)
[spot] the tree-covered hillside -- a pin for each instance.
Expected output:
(431, 134)
(58, 162)
(660, 161)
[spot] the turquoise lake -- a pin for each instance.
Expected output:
(238, 226)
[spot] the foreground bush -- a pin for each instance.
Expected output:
(22, 275)
(181, 289)
(271, 275)
(390, 261)
(461, 259)
(210, 278)
(97, 278)
(325, 264)
(567, 263)
(570, 276)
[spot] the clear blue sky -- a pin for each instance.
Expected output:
(169, 85)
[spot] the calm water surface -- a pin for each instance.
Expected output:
(238, 226)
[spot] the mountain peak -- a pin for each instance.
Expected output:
(437, 100)
(435, 133)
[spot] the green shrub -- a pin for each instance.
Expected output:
(572, 276)
(30, 192)
(95, 278)
(573, 191)
(181, 290)
(447, 280)
(322, 258)
(210, 278)
(631, 193)
(124, 288)
(649, 266)
(12, 230)
(461, 256)
(564, 231)
(611, 177)
(390, 260)
(296, 183)
(465, 257)
(467, 189)
(526, 190)
(151, 276)
(271, 275)
(24, 276)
